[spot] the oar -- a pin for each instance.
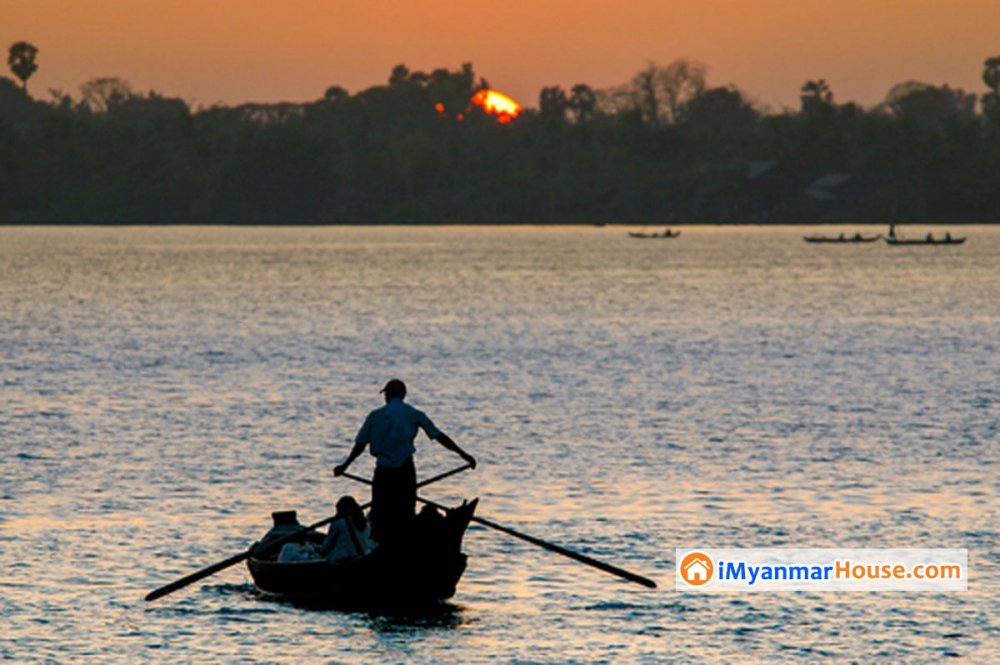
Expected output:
(233, 560)
(242, 556)
(440, 476)
(552, 547)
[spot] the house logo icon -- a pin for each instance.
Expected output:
(696, 568)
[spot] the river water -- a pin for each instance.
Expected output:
(162, 390)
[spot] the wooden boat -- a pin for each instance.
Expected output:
(857, 237)
(947, 240)
(420, 571)
(666, 234)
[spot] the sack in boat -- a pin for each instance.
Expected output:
(297, 552)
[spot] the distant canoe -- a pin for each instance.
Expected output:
(854, 238)
(925, 241)
(665, 234)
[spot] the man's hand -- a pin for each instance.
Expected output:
(353, 455)
(446, 441)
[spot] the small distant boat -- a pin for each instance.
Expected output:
(424, 571)
(857, 237)
(666, 234)
(929, 240)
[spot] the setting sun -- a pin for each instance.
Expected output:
(498, 104)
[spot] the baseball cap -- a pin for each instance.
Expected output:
(394, 388)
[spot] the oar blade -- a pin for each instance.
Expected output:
(194, 577)
(576, 556)
(558, 549)
(552, 547)
(256, 549)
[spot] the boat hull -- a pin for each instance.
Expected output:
(424, 570)
(654, 235)
(840, 240)
(952, 241)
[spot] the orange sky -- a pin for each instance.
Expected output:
(233, 51)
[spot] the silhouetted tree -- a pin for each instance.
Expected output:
(582, 101)
(22, 61)
(991, 73)
(15, 104)
(991, 100)
(719, 109)
(816, 97)
(659, 92)
(335, 93)
(61, 99)
(400, 73)
(387, 154)
(102, 94)
(153, 112)
(929, 104)
(681, 81)
(553, 104)
(647, 101)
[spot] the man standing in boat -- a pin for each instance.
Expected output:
(390, 431)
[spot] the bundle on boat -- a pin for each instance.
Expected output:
(421, 567)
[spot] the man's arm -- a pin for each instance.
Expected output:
(355, 452)
(446, 441)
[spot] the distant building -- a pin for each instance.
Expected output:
(758, 170)
(830, 187)
(768, 183)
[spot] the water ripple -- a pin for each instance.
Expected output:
(165, 389)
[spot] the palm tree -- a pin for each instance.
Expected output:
(22, 61)
(816, 95)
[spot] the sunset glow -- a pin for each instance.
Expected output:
(226, 50)
(498, 104)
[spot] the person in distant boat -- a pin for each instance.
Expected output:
(389, 431)
(947, 236)
(892, 227)
(929, 238)
(348, 535)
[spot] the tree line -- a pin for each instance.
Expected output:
(663, 148)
